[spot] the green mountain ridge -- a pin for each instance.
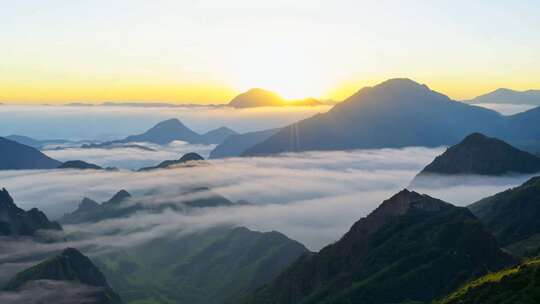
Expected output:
(214, 266)
(411, 248)
(513, 217)
(70, 265)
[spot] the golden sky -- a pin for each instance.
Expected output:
(208, 51)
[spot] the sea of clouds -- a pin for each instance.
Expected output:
(312, 197)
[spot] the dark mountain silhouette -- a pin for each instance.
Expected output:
(69, 265)
(397, 113)
(15, 221)
(90, 211)
(188, 159)
(35, 143)
(216, 265)
(16, 156)
(235, 145)
(478, 154)
(123, 205)
(217, 136)
(514, 285)
(257, 98)
(529, 97)
(411, 248)
(79, 164)
(263, 98)
(513, 216)
(168, 131)
(165, 132)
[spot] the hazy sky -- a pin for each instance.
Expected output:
(207, 51)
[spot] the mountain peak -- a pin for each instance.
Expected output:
(169, 123)
(482, 155)
(6, 199)
(69, 265)
(256, 98)
(401, 83)
(192, 156)
(119, 197)
(16, 221)
(404, 201)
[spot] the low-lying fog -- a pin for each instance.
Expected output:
(313, 197)
(129, 156)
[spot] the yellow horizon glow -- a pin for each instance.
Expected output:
(209, 51)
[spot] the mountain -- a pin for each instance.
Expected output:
(165, 132)
(90, 211)
(235, 145)
(529, 97)
(514, 285)
(257, 98)
(478, 154)
(16, 156)
(411, 248)
(397, 113)
(217, 136)
(122, 204)
(15, 221)
(513, 217)
(170, 130)
(211, 266)
(79, 164)
(35, 143)
(188, 159)
(70, 265)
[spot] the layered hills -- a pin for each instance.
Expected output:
(399, 113)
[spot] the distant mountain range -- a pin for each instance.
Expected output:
(68, 266)
(508, 96)
(478, 154)
(16, 156)
(35, 143)
(79, 164)
(235, 145)
(170, 130)
(412, 249)
(399, 113)
(122, 204)
(188, 159)
(15, 221)
(262, 98)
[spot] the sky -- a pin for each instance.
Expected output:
(205, 51)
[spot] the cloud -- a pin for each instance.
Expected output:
(130, 157)
(50, 291)
(507, 108)
(312, 197)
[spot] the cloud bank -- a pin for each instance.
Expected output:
(130, 157)
(312, 197)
